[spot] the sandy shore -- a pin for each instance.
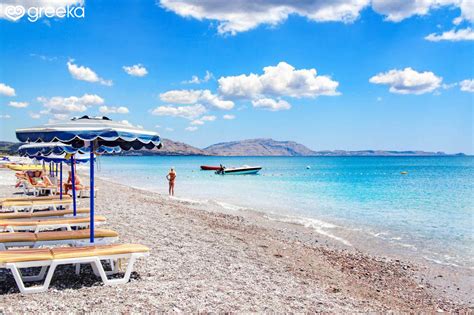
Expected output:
(208, 261)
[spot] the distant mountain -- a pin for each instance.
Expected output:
(9, 147)
(170, 148)
(259, 147)
(251, 147)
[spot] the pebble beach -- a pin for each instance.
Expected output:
(203, 261)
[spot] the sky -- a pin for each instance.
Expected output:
(330, 74)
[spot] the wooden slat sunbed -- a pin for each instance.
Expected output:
(49, 259)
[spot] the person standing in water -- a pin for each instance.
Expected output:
(171, 177)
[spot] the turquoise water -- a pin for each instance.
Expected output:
(428, 212)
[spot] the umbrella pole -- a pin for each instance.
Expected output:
(61, 180)
(92, 195)
(73, 184)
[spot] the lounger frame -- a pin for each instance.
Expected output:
(46, 275)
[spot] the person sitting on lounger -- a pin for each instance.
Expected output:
(36, 178)
(40, 179)
(171, 177)
(68, 184)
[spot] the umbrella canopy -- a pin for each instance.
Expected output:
(79, 132)
(93, 134)
(58, 150)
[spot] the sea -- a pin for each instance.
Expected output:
(416, 207)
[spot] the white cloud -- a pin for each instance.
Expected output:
(201, 121)
(181, 96)
(196, 80)
(243, 15)
(191, 128)
(467, 85)
(467, 11)
(208, 118)
(189, 112)
(197, 122)
(280, 80)
(85, 74)
(379, 99)
(446, 86)
(408, 81)
(169, 129)
(126, 122)
(136, 70)
(5, 116)
(18, 104)
(452, 35)
(6, 90)
(113, 110)
(27, 4)
(228, 117)
(271, 104)
(204, 97)
(34, 115)
(64, 105)
(398, 10)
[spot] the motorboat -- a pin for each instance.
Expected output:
(243, 170)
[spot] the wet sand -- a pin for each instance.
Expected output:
(230, 262)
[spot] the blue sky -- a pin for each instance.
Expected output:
(381, 81)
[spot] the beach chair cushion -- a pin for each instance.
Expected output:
(54, 197)
(57, 213)
(60, 221)
(8, 237)
(73, 235)
(101, 250)
(39, 214)
(22, 255)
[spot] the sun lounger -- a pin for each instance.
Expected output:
(53, 197)
(37, 190)
(15, 260)
(84, 192)
(32, 205)
(54, 238)
(41, 214)
(48, 224)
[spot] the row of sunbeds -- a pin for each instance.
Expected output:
(30, 223)
(25, 182)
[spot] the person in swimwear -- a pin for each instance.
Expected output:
(171, 177)
(68, 184)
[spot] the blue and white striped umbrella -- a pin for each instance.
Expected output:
(92, 133)
(79, 132)
(45, 149)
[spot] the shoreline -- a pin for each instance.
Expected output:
(340, 236)
(208, 261)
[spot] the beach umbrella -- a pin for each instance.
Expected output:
(95, 134)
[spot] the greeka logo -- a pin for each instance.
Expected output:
(16, 12)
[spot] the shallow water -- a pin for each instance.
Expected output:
(427, 213)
